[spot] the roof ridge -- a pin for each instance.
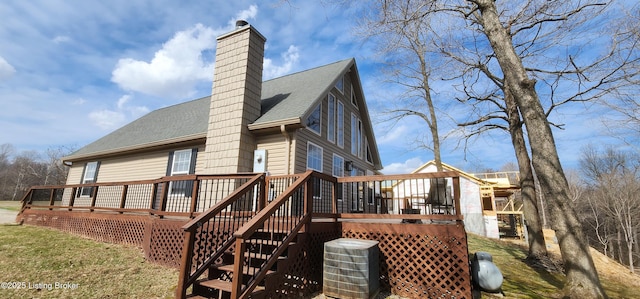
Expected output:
(311, 69)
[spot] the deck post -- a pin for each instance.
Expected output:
(73, 197)
(262, 193)
(52, 198)
(123, 197)
(163, 198)
(456, 195)
(194, 197)
(94, 193)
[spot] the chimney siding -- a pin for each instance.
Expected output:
(235, 101)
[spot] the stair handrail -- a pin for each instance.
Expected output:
(248, 229)
(187, 275)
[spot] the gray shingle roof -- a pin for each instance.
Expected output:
(286, 97)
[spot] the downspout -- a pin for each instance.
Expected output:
(287, 138)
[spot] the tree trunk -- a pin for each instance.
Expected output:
(581, 277)
(537, 245)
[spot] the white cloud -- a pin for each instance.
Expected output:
(399, 131)
(246, 14)
(107, 119)
(61, 39)
(6, 69)
(405, 167)
(78, 101)
(123, 100)
(290, 58)
(111, 119)
(174, 69)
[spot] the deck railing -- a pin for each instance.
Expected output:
(210, 234)
(185, 196)
(411, 197)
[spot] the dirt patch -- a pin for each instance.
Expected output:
(7, 217)
(604, 265)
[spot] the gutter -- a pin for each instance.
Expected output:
(287, 138)
(135, 148)
(275, 123)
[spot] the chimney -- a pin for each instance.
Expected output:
(235, 100)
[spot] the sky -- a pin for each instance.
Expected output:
(73, 71)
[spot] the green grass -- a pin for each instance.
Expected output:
(35, 255)
(11, 205)
(523, 281)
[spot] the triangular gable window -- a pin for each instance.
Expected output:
(314, 121)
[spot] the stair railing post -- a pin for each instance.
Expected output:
(238, 265)
(185, 270)
(308, 199)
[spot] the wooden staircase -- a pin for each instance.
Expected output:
(218, 283)
(245, 253)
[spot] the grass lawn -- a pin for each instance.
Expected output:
(11, 205)
(523, 281)
(35, 259)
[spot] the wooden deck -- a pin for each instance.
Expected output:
(417, 223)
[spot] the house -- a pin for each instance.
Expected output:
(477, 200)
(315, 119)
(231, 230)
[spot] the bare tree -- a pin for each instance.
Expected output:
(406, 47)
(493, 31)
(614, 179)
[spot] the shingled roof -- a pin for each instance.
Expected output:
(285, 98)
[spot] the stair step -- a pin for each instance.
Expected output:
(261, 256)
(247, 271)
(224, 285)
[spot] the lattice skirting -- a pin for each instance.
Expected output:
(416, 260)
(160, 239)
(419, 261)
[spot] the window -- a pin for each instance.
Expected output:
(340, 85)
(314, 120)
(331, 118)
(314, 157)
(340, 124)
(181, 162)
(354, 100)
(356, 136)
(369, 156)
(90, 175)
(338, 166)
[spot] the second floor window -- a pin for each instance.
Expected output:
(314, 120)
(340, 124)
(314, 157)
(356, 136)
(331, 118)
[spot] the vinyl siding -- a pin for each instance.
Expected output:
(329, 148)
(144, 166)
(277, 148)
